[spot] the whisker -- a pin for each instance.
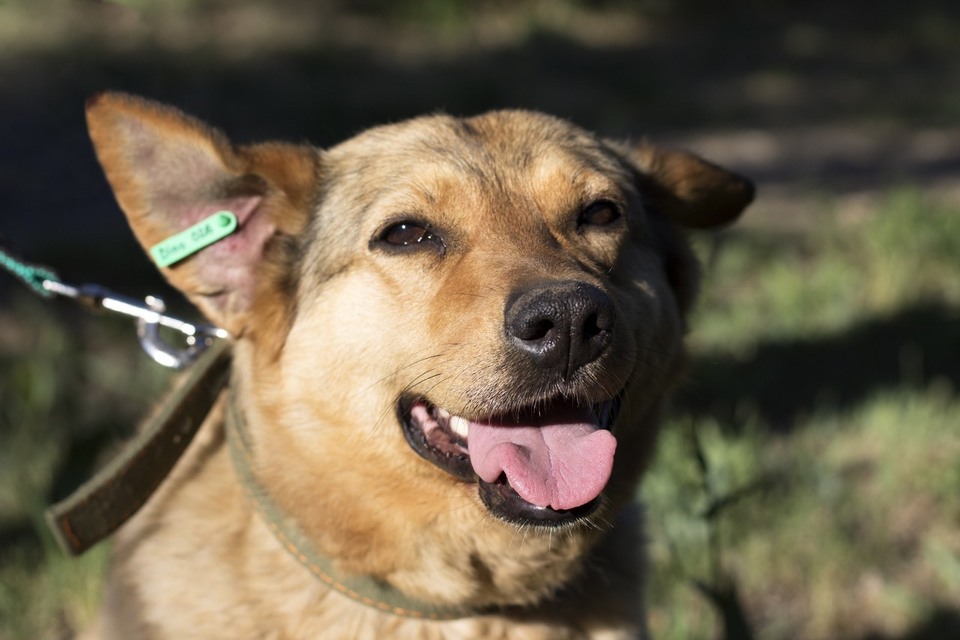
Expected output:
(419, 379)
(468, 294)
(398, 370)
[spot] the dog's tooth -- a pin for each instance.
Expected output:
(460, 426)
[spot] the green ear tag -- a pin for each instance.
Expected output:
(188, 242)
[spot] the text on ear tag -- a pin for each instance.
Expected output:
(187, 242)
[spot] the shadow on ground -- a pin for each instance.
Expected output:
(783, 382)
(942, 624)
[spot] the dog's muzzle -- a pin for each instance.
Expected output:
(547, 460)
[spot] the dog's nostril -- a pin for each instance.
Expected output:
(591, 327)
(537, 330)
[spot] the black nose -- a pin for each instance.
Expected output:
(560, 326)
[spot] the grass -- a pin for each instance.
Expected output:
(849, 526)
(842, 271)
(833, 516)
(808, 477)
(69, 385)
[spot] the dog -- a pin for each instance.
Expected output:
(452, 342)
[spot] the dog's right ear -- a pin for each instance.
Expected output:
(691, 191)
(169, 171)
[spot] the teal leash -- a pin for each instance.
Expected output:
(32, 275)
(149, 313)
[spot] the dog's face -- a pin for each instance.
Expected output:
(454, 336)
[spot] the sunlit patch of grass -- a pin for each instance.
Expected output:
(849, 523)
(763, 287)
(870, 492)
(912, 251)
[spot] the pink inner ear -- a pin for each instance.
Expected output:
(224, 271)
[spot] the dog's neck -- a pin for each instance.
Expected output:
(364, 589)
(269, 436)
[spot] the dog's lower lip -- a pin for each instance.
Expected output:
(501, 499)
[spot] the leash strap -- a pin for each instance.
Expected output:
(113, 495)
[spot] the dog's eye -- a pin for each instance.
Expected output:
(599, 214)
(405, 233)
(410, 234)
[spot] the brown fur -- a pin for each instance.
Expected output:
(330, 331)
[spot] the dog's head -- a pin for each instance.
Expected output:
(454, 336)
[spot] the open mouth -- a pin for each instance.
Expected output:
(546, 465)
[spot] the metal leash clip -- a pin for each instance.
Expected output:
(150, 317)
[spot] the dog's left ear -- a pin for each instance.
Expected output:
(687, 188)
(169, 171)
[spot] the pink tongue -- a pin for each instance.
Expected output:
(562, 463)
